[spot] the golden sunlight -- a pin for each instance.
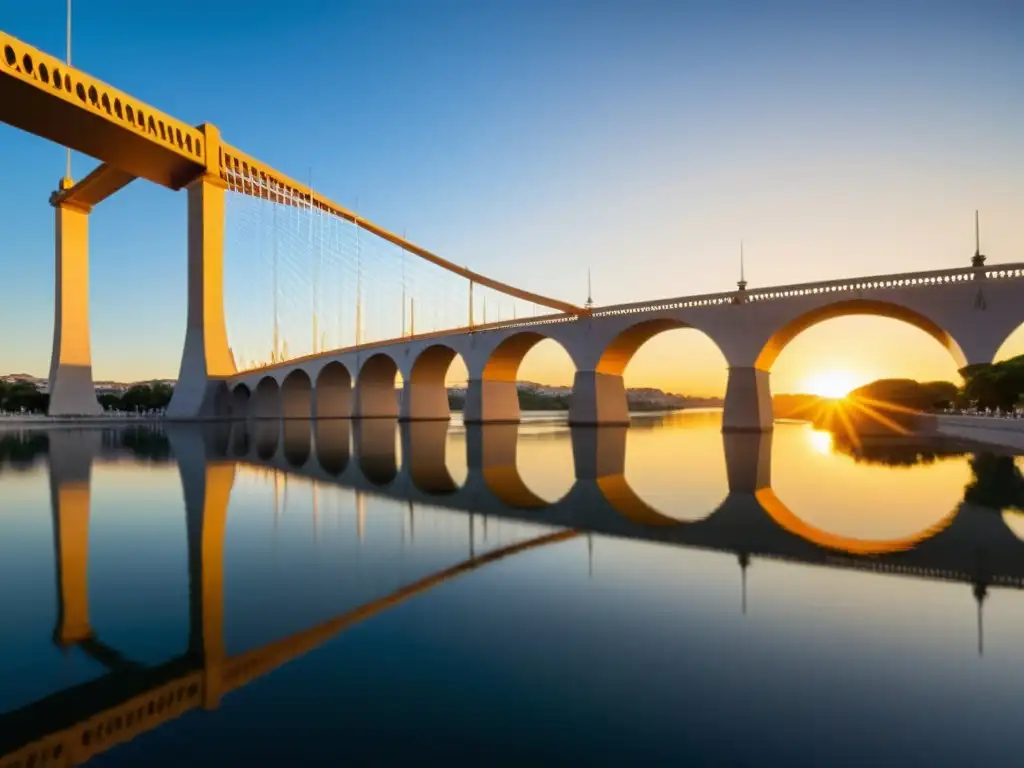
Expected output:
(834, 384)
(821, 440)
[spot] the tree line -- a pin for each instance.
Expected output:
(25, 397)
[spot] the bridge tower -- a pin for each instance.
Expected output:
(71, 386)
(206, 359)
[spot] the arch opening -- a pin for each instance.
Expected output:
(821, 357)
(222, 401)
(267, 399)
(601, 398)
(240, 397)
(854, 307)
(376, 392)
(648, 354)
(525, 372)
(425, 393)
(333, 392)
(297, 396)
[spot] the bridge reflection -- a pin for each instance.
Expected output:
(78, 723)
(967, 543)
(407, 463)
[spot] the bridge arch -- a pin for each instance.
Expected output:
(425, 395)
(618, 353)
(492, 395)
(790, 330)
(375, 392)
(599, 395)
(297, 395)
(333, 392)
(222, 401)
(266, 402)
(240, 398)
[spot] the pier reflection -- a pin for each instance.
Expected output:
(380, 458)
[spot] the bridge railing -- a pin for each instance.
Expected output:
(772, 293)
(851, 285)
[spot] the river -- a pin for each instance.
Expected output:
(375, 593)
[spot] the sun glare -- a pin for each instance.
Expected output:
(830, 384)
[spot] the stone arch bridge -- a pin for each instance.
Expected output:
(970, 311)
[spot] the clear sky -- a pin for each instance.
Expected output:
(531, 140)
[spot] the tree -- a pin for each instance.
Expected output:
(999, 385)
(22, 396)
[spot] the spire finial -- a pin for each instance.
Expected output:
(742, 283)
(590, 295)
(978, 260)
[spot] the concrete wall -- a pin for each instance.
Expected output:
(1002, 433)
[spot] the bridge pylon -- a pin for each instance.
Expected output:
(206, 358)
(71, 386)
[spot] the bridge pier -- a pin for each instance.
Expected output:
(206, 358)
(598, 399)
(71, 456)
(424, 401)
(490, 401)
(71, 386)
(748, 401)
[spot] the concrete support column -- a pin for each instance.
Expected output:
(71, 386)
(748, 401)
(206, 359)
(374, 400)
(425, 401)
(598, 398)
(71, 456)
(490, 401)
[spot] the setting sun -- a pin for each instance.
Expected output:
(830, 384)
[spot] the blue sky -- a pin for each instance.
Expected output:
(532, 140)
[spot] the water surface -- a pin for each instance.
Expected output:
(363, 591)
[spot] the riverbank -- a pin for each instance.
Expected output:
(63, 422)
(987, 430)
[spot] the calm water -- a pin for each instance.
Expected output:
(661, 594)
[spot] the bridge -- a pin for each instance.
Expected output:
(970, 310)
